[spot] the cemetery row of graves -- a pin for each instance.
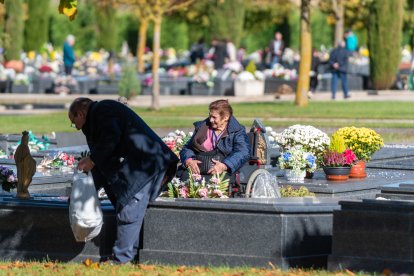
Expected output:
(355, 222)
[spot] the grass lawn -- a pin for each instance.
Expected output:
(393, 120)
(89, 268)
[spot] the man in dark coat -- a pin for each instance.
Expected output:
(338, 62)
(128, 159)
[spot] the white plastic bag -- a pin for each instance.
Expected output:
(265, 186)
(85, 212)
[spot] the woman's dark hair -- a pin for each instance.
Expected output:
(222, 107)
(79, 104)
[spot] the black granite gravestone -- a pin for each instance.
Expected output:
(236, 232)
(373, 235)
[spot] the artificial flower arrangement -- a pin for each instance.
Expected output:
(278, 71)
(197, 187)
(35, 144)
(203, 72)
(58, 161)
(272, 136)
(176, 140)
(8, 178)
(3, 154)
(297, 159)
(364, 142)
(311, 139)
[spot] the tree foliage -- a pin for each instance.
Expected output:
(105, 14)
(384, 41)
(37, 25)
(14, 29)
(226, 19)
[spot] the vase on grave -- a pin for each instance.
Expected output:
(358, 170)
(296, 176)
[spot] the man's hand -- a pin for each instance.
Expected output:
(193, 164)
(335, 65)
(86, 164)
(217, 168)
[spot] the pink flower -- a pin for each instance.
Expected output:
(64, 157)
(214, 180)
(218, 193)
(11, 178)
(203, 192)
(196, 177)
(184, 192)
(349, 156)
(170, 144)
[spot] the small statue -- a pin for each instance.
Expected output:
(26, 167)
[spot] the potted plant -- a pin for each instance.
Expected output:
(311, 139)
(295, 161)
(338, 160)
(364, 142)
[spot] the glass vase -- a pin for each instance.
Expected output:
(295, 176)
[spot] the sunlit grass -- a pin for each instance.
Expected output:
(393, 120)
(90, 268)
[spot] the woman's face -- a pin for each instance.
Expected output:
(217, 121)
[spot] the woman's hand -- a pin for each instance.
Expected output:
(218, 167)
(193, 164)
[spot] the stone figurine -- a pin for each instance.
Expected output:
(26, 167)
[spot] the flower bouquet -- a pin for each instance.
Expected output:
(35, 144)
(8, 178)
(198, 187)
(176, 140)
(364, 142)
(296, 160)
(311, 139)
(58, 161)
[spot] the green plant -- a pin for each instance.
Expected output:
(289, 191)
(129, 85)
(14, 28)
(384, 43)
(337, 143)
(251, 67)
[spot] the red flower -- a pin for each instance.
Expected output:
(350, 157)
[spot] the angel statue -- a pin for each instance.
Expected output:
(26, 167)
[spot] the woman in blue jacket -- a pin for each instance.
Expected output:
(219, 143)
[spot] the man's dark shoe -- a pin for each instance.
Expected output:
(347, 96)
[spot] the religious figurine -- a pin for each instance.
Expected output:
(26, 167)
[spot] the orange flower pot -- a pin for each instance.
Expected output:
(358, 170)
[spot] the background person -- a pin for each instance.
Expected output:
(128, 160)
(69, 54)
(276, 48)
(220, 136)
(338, 62)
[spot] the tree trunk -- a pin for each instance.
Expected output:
(155, 104)
(142, 34)
(338, 8)
(305, 55)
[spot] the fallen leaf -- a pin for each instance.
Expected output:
(87, 262)
(146, 267)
